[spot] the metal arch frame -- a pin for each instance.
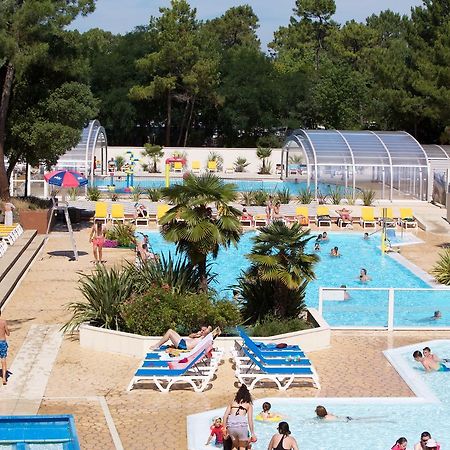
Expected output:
(428, 164)
(295, 138)
(443, 151)
(100, 130)
(91, 127)
(391, 184)
(315, 161)
(353, 161)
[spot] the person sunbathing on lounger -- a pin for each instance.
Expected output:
(187, 343)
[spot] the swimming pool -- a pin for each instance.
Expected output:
(364, 309)
(38, 433)
(242, 185)
(379, 421)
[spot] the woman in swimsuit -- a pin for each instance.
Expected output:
(97, 238)
(238, 418)
(282, 440)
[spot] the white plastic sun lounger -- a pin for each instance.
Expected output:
(282, 376)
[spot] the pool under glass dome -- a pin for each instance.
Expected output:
(392, 163)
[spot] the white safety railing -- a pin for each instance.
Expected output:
(385, 308)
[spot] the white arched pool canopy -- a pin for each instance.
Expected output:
(394, 159)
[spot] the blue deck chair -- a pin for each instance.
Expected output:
(282, 376)
(271, 350)
(164, 377)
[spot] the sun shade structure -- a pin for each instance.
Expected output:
(90, 154)
(391, 162)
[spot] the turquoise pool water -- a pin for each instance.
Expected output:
(377, 423)
(412, 308)
(242, 185)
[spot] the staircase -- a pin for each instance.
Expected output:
(16, 261)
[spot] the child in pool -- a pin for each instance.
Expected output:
(266, 414)
(216, 430)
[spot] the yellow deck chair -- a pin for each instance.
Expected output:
(301, 216)
(389, 219)
(260, 220)
(178, 166)
(101, 212)
(323, 216)
(117, 213)
(196, 167)
(368, 217)
(407, 218)
(212, 166)
(161, 211)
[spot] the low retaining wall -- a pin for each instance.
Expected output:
(129, 344)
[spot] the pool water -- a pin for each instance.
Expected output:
(241, 185)
(377, 423)
(364, 308)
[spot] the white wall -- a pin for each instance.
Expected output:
(201, 154)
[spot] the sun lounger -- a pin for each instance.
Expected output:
(389, 219)
(282, 376)
(246, 221)
(260, 220)
(117, 213)
(323, 216)
(196, 167)
(161, 210)
(101, 212)
(407, 219)
(368, 217)
(196, 372)
(301, 216)
(178, 166)
(3, 247)
(142, 221)
(212, 166)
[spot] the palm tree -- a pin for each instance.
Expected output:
(191, 225)
(281, 268)
(155, 153)
(263, 153)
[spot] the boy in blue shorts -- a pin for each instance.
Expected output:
(4, 331)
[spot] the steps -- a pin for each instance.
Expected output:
(16, 261)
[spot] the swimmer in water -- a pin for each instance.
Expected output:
(323, 414)
(430, 365)
(335, 252)
(363, 277)
(317, 247)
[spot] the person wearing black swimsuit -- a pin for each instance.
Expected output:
(283, 439)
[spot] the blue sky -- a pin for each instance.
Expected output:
(120, 16)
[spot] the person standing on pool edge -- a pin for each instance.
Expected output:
(4, 331)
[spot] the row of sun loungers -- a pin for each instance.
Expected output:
(254, 363)
(9, 235)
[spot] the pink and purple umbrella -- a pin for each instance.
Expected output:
(65, 178)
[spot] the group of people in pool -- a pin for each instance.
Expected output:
(426, 443)
(236, 430)
(430, 361)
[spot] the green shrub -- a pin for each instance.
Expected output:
(31, 203)
(260, 198)
(159, 309)
(305, 196)
(154, 194)
(322, 198)
(367, 196)
(240, 164)
(441, 270)
(284, 196)
(136, 193)
(350, 196)
(336, 195)
(123, 233)
(93, 194)
(271, 326)
(73, 193)
(247, 198)
(104, 292)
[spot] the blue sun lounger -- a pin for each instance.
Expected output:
(282, 376)
(271, 350)
(164, 377)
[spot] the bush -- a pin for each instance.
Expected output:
(159, 309)
(441, 270)
(336, 195)
(136, 193)
(271, 326)
(123, 233)
(93, 194)
(367, 196)
(154, 194)
(260, 198)
(31, 203)
(284, 196)
(305, 196)
(247, 198)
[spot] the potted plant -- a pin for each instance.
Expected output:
(32, 213)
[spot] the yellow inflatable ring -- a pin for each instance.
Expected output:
(276, 418)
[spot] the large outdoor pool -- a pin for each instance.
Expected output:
(364, 308)
(377, 423)
(241, 185)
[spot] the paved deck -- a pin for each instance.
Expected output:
(91, 385)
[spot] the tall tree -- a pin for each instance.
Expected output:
(25, 34)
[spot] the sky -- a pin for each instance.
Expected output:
(121, 16)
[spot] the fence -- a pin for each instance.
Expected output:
(385, 308)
